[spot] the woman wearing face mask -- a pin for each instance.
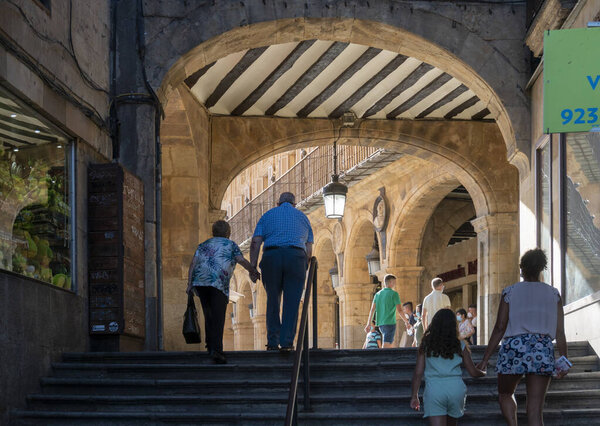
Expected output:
(465, 327)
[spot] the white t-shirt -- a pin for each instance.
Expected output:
(433, 302)
(532, 308)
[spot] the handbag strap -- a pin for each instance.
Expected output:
(191, 303)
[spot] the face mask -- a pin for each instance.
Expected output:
(459, 317)
(469, 315)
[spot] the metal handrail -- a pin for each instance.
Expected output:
(291, 415)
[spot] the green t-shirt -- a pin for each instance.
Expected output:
(385, 306)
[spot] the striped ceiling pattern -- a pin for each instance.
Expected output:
(319, 79)
(19, 129)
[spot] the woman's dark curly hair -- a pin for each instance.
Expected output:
(441, 338)
(532, 263)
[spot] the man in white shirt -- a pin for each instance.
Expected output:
(434, 301)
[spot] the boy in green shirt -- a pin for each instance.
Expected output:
(385, 304)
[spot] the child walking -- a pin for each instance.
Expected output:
(440, 356)
(373, 340)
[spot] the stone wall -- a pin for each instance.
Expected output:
(39, 322)
(67, 80)
(185, 150)
(57, 62)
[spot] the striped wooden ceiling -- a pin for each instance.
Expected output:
(20, 129)
(319, 79)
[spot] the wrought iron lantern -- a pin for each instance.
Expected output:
(335, 276)
(373, 262)
(334, 193)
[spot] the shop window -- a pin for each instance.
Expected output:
(581, 226)
(544, 200)
(35, 213)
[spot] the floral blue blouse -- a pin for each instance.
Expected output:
(214, 262)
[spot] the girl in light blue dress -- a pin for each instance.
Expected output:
(439, 359)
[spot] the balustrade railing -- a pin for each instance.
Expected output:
(305, 179)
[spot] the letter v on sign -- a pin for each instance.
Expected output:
(594, 82)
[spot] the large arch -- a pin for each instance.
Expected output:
(179, 48)
(356, 288)
(468, 150)
(474, 152)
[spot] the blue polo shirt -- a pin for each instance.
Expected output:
(284, 225)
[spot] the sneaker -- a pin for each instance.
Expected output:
(272, 348)
(218, 357)
(286, 349)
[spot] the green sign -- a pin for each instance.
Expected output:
(572, 80)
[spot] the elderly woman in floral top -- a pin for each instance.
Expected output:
(209, 275)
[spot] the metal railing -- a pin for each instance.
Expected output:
(302, 354)
(305, 179)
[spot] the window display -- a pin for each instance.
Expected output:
(582, 189)
(35, 214)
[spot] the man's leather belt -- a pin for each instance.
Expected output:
(282, 247)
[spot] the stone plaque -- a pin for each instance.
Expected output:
(339, 237)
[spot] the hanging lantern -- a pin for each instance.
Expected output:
(335, 276)
(334, 193)
(373, 262)
(334, 196)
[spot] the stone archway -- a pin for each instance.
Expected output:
(356, 287)
(180, 48)
(224, 145)
(497, 263)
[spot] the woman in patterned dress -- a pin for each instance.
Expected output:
(208, 277)
(530, 316)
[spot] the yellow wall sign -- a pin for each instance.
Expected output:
(572, 80)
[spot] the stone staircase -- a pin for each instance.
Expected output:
(348, 387)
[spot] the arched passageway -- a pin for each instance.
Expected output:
(204, 151)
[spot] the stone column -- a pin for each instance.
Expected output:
(355, 299)
(260, 332)
(135, 147)
(498, 265)
(243, 336)
(326, 320)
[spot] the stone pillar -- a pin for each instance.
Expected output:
(133, 115)
(260, 332)
(498, 265)
(243, 336)
(355, 299)
(326, 320)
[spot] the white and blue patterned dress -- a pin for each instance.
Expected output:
(214, 262)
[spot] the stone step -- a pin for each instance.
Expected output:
(552, 417)
(232, 385)
(275, 370)
(576, 349)
(348, 387)
(276, 402)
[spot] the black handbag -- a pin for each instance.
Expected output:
(191, 329)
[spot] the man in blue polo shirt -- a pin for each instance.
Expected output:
(288, 239)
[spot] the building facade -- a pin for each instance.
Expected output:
(187, 96)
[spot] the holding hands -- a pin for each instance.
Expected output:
(254, 275)
(415, 404)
